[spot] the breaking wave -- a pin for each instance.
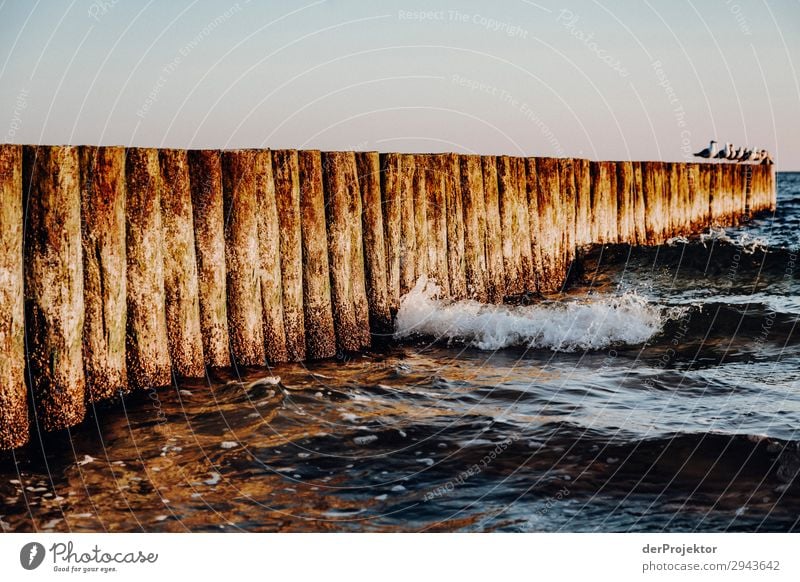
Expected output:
(564, 326)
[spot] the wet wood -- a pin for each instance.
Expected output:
(474, 207)
(531, 193)
(54, 284)
(583, 203)
(420, 203)
(242, 257)
(147, 347)
(526, 242)
(104, 271)
(451, 168)
(495, 277)
(205, 179)
(269, 252)
(286, 174)
(569, 209)
(626, 204)
(350, 310)
(391, 167)
(181, 285)
(14, 424)
(320, 334)
(551, 224)
(436, 220)
(639, 205)
(508, 186)
(408, 230)
(369, 180)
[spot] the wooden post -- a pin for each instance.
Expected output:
(474, 207)
(568, 211)
(369, 180)
(287, 197)
(147, 345)
(551, 221)
(54, 284)
(716, 202)
(626, 205)
(391, 167)
(495, 276)
(654, 199)
(420, 204)
(639, 205)
(408, 231)
(455, 226)
(205, 177)
(320, 335)
(508, 184)
(436, 220)
(672, 222)
(14, 425)
(180, 266)
(269, 252)
(583, 203)
(242, 257)
(604, 203)
(104, 271)
(684, 222)
(348, 290)
(531, 193)
(527, 271)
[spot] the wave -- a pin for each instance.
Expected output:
(564, 326)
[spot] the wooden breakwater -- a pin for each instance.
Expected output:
(122, 268)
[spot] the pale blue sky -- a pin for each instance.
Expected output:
(604, 80)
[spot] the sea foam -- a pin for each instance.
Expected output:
(593, 323)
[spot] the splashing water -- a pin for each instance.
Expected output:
(590, 324)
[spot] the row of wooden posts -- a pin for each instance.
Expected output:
(121, 268)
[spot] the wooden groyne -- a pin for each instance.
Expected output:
(121, 269)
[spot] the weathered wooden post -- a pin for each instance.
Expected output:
(639, 205)
(242, 257)
(104, 271)
(408, 230)
(495, 277)
(391, 171)
(569, 209)
(451, 168)
(147, 345)
(205, 178)
(551, 220)
(269, 252)
(437, 220)
(286, 174)
(523, 217)
(508, 187)
(531, 193)
(583, 203)
(54, 284)
(420, 206)
(369, 180)
(348, 287)
(626, 204)
(14, 425)
(474, 206)
(320, 334)
(181, 285)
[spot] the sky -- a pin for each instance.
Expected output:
(604, 79)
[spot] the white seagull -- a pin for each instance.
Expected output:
(748, 154)
(724, 152)
(709, 152)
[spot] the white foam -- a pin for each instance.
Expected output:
(589, 324)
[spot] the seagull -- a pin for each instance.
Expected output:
(757, 155)
(767, 158)
(748, 153)
(709, 152)
(724, 152)
(736, 153)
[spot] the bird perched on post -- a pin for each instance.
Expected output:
(724, 152)
(767, 158)
(748, 153)
(709, 152)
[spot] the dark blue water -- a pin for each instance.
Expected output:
(661, 393)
